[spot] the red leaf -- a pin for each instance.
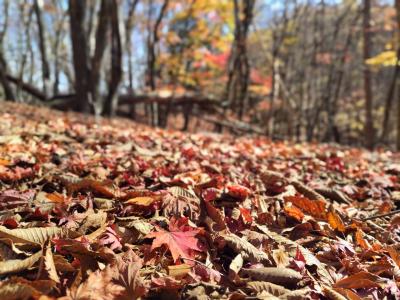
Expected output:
(238, 191)
(180, 239)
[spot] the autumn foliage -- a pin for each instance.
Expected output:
(109, 209)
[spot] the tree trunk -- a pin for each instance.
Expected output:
(369, 129)
(8, 92)
(80, 56)
(398, 80)
(116, 68)
(42, 47)
(151, 60)
(239, 70)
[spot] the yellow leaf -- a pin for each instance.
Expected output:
(385, 58)
(179, 271)
(144, 201)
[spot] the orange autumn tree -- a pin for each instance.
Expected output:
(196, 46)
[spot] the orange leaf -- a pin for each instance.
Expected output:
(216, 215)
(335, 221)
(361, 241)
(144, 201)
(315, 208)
(294, 212)
(4, 162)
(55, 197)
(385, 207)
(349, 294)
(359, 280)
(394, 255)
(246, 215)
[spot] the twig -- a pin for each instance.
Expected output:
(382, 215)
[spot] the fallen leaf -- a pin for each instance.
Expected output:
(360, 280)
(180, 239)
(143, 201)
(179, 271)
(335, 221)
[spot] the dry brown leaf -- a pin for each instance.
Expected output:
(216, 215)
(179, 271)
(99, 285)
(62, 264)
(332, 294)
(274, 289)
(360, 280)
(49, 264)
(17, 265)
(281, 276)
(93, 221)
(293, 246)
(234, 268)
(349, 294)
(35, 235)
(247, 250)
(394, 254)
(180, 202)
(300, 294)
(281, 257)
(127, 269)
(14, 290)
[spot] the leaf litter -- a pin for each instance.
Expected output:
(109, 209)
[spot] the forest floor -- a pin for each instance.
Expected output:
(109, 209)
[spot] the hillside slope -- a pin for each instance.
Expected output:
(116, 210)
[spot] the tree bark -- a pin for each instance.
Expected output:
(151, 59)
(42, 47)
(111, 101)
(239, 70)
(368, 129)
(106, 7)
(8, 92)
(397, 3)
(77, 10)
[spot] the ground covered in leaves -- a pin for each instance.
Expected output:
(100, 209)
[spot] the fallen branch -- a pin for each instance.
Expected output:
(235, 125)
(382, 215)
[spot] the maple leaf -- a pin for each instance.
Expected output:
(180, 239)
(99, 285)
(111, 238)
